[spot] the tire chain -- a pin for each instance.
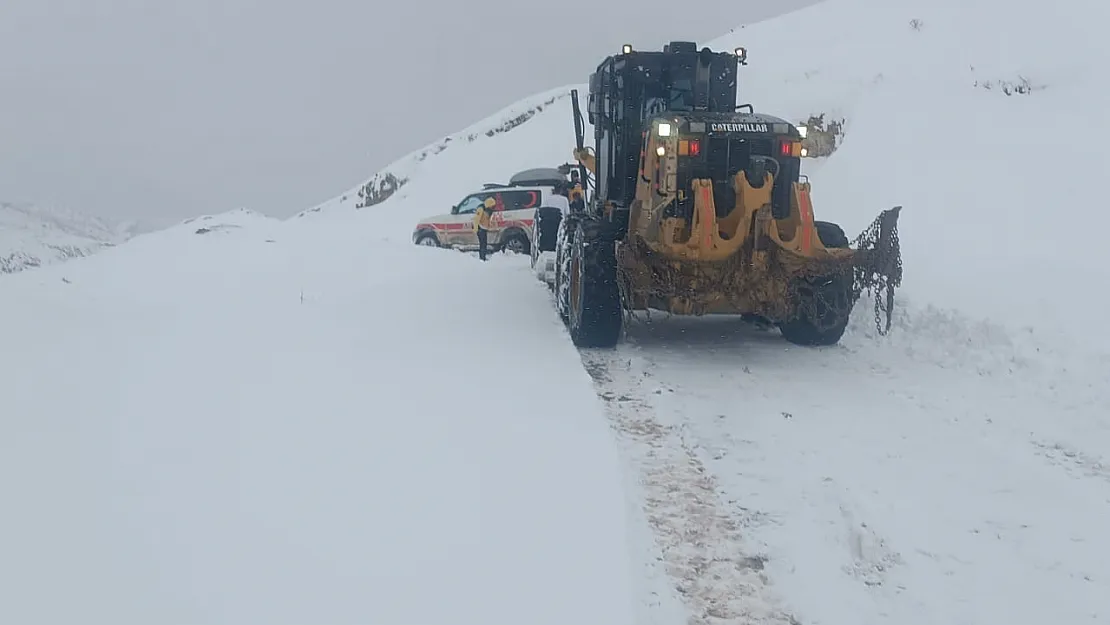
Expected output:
(881, 270)
(563, 261)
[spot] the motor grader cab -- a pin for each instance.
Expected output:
(698, 206)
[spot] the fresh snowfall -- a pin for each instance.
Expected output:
(240, 420)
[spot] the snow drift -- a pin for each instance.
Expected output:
(238, 420)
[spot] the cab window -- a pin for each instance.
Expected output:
(468, 205)
(506, 201)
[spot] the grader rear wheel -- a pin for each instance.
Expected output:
(595, 315)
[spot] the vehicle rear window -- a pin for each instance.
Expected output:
(517, 200)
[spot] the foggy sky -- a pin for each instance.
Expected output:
(161, 110)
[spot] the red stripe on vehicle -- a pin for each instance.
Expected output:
(520, 223)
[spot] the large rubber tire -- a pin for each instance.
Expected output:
(545, 231)
(831, 235)
(594, 307)
(546, 225)
(830, 293)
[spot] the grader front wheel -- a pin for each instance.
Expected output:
(825, 302)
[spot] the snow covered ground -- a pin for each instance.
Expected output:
(279, 421)
(258, 423)
(944, 478)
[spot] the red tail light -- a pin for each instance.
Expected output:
(695, 147)
(784, 148)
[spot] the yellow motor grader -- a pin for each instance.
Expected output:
(693, 205)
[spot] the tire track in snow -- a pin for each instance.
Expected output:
(896, 477)
(700, 541)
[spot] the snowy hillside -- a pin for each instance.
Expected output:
(32, 236)
(244, 420)
(530, 133)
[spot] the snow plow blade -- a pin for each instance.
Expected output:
(746, 261)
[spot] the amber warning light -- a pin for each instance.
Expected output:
(689, 147)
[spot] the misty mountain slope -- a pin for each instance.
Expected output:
(32, 236)
(527, 123)
(953, 471)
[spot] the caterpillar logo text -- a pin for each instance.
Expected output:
(741, 127)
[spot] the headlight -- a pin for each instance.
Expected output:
(664, 129)
(803, 130)
(661, 151)
(741, 53)
(627, 49)
(805, 152)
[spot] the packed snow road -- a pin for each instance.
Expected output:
(937, 476)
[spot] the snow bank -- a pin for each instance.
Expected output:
(275, 423)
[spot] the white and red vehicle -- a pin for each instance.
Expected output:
(514, 214)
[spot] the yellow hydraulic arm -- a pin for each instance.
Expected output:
(583, 156)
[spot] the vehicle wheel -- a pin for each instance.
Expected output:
(428, 239)
(533, 250)
(595, 313)
(562, 254)
(825, 306)
(517, 243)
